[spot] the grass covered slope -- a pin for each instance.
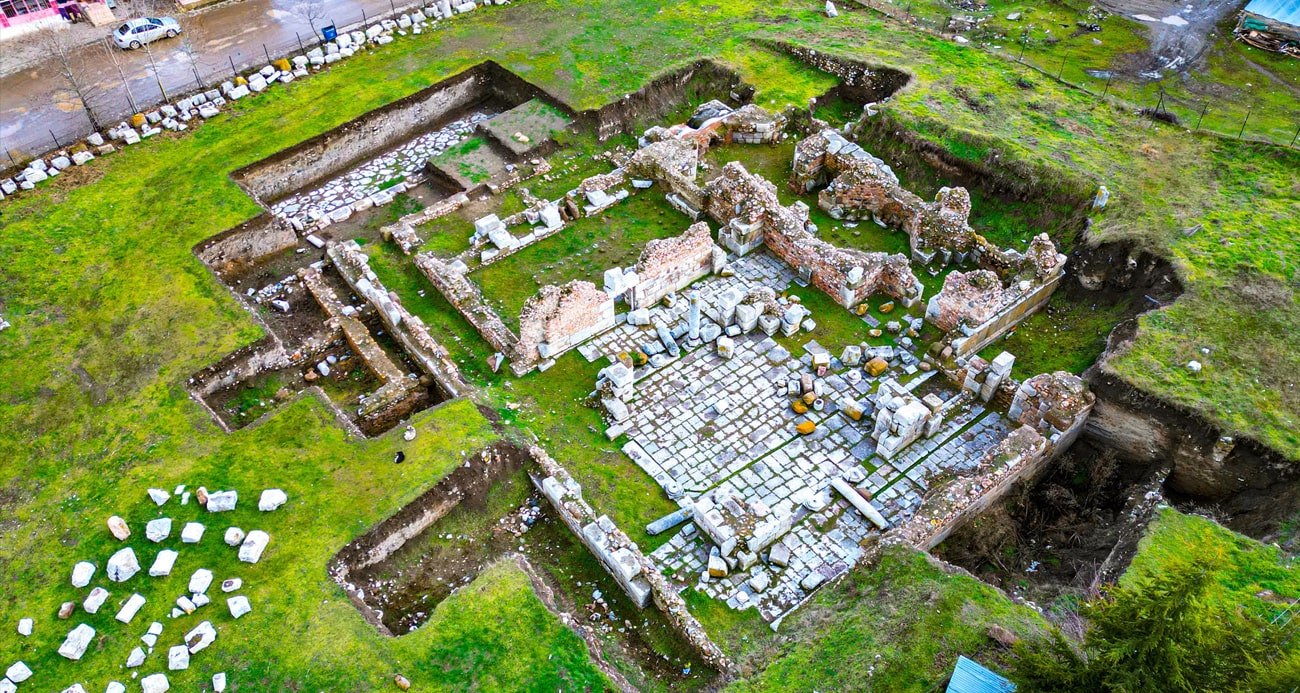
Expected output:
(303, 633)
(111, 313)
(896, 624)
(1249, 571)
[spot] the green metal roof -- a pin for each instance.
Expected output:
(1285, 11)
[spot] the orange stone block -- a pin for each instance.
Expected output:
(805, 427)
(876, 366)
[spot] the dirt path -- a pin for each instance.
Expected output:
(1181, 32)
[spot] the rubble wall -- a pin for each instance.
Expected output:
(558, 318)
(632, 569)
(241, 247)
(465, 296)
(670, 264)
(407, 329)
(1008, 317)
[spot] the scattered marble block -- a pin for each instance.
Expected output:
(192, 532)
(200, 580)
(77, 641)
(178, 658)
(238, 606)
(82, 573)
(122, 566)
(130, 608)
(155, 683)
(158, 530)
(254, 544)
(271, 499)
(162, 565)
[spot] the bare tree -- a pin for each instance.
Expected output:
(192, 25)
(310, 11)
(111, 50)
(62, 47)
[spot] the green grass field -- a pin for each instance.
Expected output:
(112, 313)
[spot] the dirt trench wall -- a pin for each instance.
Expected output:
(474, 478)
(1252, 487)
(379, 130)
(245, 245)
(700, 81)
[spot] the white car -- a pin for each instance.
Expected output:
(142, 30)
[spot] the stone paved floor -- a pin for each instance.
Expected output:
(365, 179)
(706, 422)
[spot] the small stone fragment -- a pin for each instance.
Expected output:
(231, 585)
(159, 496)
(234, 536)
(271, 499)
(238, 605)
(118, 527)
(82, 573)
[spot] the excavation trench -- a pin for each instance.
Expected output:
(487, 510)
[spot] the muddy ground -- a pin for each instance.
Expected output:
(1180, 32)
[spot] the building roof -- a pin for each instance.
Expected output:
(1285, 11)
(969, 677)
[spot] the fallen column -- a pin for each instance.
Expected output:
(856, 500)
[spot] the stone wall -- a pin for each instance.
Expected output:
(465, 296)
(621, 557)
(670, 264)
(243, 246)
(559, 318)
(748, 207)
(409, 330)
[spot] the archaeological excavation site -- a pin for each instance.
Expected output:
(751, 373)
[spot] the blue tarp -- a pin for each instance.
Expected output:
(969, 677)
(1285, 11)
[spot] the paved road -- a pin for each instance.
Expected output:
(36, 104)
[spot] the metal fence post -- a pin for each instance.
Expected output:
(1243, 123)
(1204, 107)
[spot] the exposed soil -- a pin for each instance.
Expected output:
(1185, 34)
(1052, 534)
(483, 511)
